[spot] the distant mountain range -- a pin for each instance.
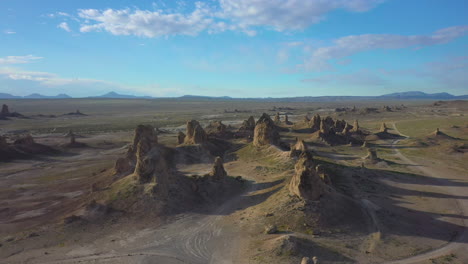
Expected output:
(34, 96)
(412, 95)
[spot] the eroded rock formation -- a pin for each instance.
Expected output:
(371, 155)
(195, 134)
(277, 119)
(5, 110)
(143, 133)
(306, 183)
(286, 120)
(297, 148)
(25, 140)
(355, 126)
(217, 172)
(216, 127)
(383, 128)
(315, 122)
(180, 137)
(265, 132)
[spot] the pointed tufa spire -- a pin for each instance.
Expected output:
(383, 128)
(356, 126)
(5, 110)
(217, 172)
(265, 132)
(277, 119)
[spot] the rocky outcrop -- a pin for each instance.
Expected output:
(3, 142)
(371, 156)
(5, 110)
(217, 172)
(216, 127)
(265, 132)
(305, 183)
(249, 124)
(383, 128)
(25, 140)
(144, 133)
(286, 120)
(355, 126)
(277, 119)
(437, 132)
(297, 148)
(195, 134)
(180, 138)
(320, 170)
(315, 122)
(306, 119)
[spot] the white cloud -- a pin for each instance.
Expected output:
(214, 16)
(19, 59)
(283, 15)
(9, 32)
(350, 45)
(146, 23)
(33, 81)
(64, 26)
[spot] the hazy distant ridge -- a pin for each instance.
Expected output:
(411, 95)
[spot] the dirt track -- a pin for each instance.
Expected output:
(459, 244)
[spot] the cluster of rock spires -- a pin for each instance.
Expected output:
(151, 162)
(22, 147)
(334, 132)
(265, 132)
(309, 182)
(247, 128)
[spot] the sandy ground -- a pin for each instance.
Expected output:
(37, 193)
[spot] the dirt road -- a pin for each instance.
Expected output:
(460, 243)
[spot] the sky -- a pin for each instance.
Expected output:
(238, 48)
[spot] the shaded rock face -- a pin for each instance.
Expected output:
(195, 134)
(305, 183)
(144, 133)
(372, 155)
(26, 140)
(217, 172)
(265, 132)
(383, 128)
(152, 167)
(217, 127)
(355, 126)
(286, 120)
(248, 125)
(180, 137)
(5, 110)
(3, 142)
(277, 119)
(297, 148)
(315, 122)
(346, 130)
(437, 132)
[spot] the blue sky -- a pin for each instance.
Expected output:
(239, 48)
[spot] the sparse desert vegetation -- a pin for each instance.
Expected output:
(145, 180)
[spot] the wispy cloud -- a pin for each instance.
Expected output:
(78, 86)
(359, 78)
(19, 59)
(9, 32)
(64, 26)
(350, 45)
(213, 17)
